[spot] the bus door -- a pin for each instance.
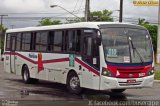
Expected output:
(12, 54)
(92, 59)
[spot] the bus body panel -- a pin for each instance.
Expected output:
(117, 83)
(56, 67)
(18, 64)
(7, 61)
(54, 71)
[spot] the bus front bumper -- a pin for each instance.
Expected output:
(119, 83)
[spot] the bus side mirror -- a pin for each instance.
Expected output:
(98, 41)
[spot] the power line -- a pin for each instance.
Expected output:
(60, 17)
(42, 12)
(75, 6)
(80, 6)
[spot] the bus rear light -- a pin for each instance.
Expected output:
(106, 72)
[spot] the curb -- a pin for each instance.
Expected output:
(156, 80)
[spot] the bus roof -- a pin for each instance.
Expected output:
(74, 25)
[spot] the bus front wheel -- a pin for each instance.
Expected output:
(118, 90)
(73, 83)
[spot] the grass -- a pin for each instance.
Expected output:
(157, 75)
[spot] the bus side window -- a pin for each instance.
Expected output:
(8, 38)
(57, 41)
(96, 53)
(43, 44)
(26, 41)
(51, 41)
(96, 48)
(38, 41)
(41, 41)
(88, 46)
(74, 41)
(65, 40)
(33, 41)
(78, 41)
(91, 50)
(18, 44)
(71, 38)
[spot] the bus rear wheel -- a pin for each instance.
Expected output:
(118, 90)
(73, 83)
(26, 76)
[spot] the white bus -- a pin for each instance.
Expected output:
(94, 55)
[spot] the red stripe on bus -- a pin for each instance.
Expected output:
(14, 53)
(86, 66)
(35, 62)
(56, 60)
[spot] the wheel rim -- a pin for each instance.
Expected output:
(25, 75)
(74, 82)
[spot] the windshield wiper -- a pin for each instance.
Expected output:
(135, 50)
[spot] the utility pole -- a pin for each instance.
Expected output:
(158, 37)
(121, 11)
(1, 31)
(2, 19)
(12, 26)
(87, 10)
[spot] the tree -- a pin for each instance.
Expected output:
(48, 21)
(103, 15)
(153, 29)
(2, 34)
(76, 20)
(142, 21)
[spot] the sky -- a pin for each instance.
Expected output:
(29, 12)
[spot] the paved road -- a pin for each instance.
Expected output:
(12, 88)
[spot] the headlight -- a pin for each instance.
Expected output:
(151, 71)
(106, 72)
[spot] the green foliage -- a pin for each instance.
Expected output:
(2, 28)
(104, 15)
(48, 21)
(157, 75)
(142, 21)
(75, 20)
(2, 34)
(153, 32)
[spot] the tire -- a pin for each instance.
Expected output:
(73, 83)
(118, 90)
(26, 76)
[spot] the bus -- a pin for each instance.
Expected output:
(93, 55)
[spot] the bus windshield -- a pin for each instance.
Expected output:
(126, 45)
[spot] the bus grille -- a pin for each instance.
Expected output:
(130, 71)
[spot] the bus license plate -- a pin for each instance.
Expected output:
(131, 81)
